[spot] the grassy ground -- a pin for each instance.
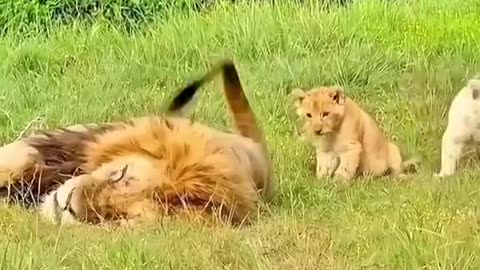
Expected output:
(402, 60)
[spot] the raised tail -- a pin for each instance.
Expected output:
(243, 116)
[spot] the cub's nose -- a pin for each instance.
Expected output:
(318, 132)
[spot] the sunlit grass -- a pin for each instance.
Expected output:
(402, 61)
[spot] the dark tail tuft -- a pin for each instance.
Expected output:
(185, 96)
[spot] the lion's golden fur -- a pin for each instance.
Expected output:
(173, 165)
(348, 141)
(146, 167)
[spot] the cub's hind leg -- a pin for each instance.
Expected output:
(394, 160)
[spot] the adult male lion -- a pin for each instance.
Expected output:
(146, 167)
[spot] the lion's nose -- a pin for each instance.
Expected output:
(318, 132)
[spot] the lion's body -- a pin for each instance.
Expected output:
(348, 141)
(144, 168)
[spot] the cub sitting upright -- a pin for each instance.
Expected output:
(348, 141)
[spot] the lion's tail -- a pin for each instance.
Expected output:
(243, 116)
(242, 113)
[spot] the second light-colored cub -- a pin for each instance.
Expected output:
(463, 127)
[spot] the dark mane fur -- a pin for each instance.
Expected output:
(62, 152)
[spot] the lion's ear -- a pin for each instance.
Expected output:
(338, 95)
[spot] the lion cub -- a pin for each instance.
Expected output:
(348, 141)
(463, 129)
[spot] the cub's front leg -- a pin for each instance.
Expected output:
(327, 163)
(349, 155)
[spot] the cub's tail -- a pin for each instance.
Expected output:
(411, 164)
(410, 161)
(404, 163)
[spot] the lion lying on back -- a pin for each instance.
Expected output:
(146, 167)
(348, 141)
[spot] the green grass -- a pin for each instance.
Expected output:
(403, 61)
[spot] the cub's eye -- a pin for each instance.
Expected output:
(309, 115)
(325, 114)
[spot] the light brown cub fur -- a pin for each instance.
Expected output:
(148, 167)
(348, 141)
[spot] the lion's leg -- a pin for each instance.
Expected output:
(109, 194)
(54, 207)
(18, 157)
(15, 159)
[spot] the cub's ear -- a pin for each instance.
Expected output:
(474, 86)
(297, 95)
(337, 94)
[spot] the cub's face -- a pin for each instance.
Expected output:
(322, 109)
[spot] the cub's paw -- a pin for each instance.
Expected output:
(441, 175)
